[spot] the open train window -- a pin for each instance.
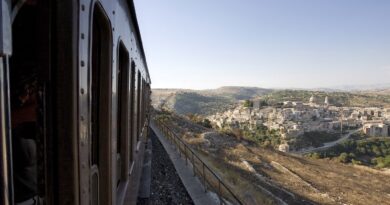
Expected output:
(28, 64)
(122, 113)
(100, 106)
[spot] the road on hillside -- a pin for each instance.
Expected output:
(328, 144)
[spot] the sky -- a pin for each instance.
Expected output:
(204, 44)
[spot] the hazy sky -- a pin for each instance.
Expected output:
(266, 43)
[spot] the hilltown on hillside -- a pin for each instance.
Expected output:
(293, 119)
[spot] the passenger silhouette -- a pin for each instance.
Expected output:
(24, 146)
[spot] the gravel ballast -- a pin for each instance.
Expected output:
(166, 186)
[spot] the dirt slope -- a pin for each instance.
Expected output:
(267, 176)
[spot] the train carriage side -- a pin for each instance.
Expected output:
(74, 96)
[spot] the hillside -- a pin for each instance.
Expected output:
(203, 102)
(206, 102)
(377, 92)
(264, 176)
(352, 99)
(236, 92)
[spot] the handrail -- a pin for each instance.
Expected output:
(172, 136)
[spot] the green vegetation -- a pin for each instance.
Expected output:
(263, 103)
(335, 98)
(344, 157)
(373, 151)
(203, 102)
(382, 162)
(200, 120)
(314, 139)
(237, 92)
(248, 103)
(260, 135)
(206, 102)
(194, 103)
(163, 115)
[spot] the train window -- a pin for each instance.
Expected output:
(28, 110)
(132, 106)
(138, 106)
(143, 104)
(100, 106)
(122, 113)
(94, 189)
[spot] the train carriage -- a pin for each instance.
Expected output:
(74, 102)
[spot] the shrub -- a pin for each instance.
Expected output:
(344, 158)
(248, 103)
(207, 123)
(356, 162)
(315, 155)
(382, 162)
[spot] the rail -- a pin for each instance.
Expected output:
(209, 178)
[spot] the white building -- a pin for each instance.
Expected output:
(377, 129)
(326, 101)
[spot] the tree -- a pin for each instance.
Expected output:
(192, 117)
(207, 123)
(344, 158)
(263, 103)
(356, 162)
(315, 155)
(376, 150)
(382, 162)
(361, 150)
(248, 103)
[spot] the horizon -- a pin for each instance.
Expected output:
(270, 44)
(335, 88)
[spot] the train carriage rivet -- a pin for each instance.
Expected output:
(82, 91)
(82, 7)
(82, 63)
(82, 36)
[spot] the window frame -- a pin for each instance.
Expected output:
(103, 170)
(123, 109)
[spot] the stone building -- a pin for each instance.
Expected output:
(377, 129)
(312, 100)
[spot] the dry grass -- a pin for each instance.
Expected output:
(319, 181)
